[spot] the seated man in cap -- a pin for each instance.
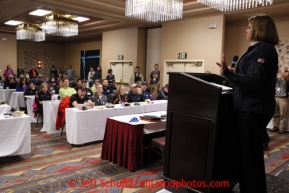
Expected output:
(80, 99)
(135, 94)
(88, 91)
(39, 80)
(163, 94)
(145, 93)
(10, 83)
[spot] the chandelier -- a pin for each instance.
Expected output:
(154, 10)
(59, 26)
(29, 32)
(232, 5)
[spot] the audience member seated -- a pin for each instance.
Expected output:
(93, 88)
(163, 94)
(107, 91)
(22, 86)
(39, 80)
(79, 99)
(52, 79)
(66, 90)
(43, 95)
(10, 83)
(88, 91)
(98, 97)
(30, 91)
(145, 93)
(121, 97)
(58, 86)
(74, 83)
(135, 94)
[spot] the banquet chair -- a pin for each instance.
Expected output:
(158, 146)
(60, 119)
(154, 96)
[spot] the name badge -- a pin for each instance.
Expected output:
(278, 89)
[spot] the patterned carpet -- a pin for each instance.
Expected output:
(56, 166)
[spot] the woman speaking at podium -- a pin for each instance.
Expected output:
(254, 80)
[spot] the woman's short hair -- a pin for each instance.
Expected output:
(264, 29)
(109, 71)
(43, 84)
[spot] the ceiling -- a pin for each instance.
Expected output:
(108, 15)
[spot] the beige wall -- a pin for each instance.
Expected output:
(153, 55)
(54, 48)
(72, 52)
(129, 42)
(141, 51)
(8, 51)
(235, 39)
(195, 38)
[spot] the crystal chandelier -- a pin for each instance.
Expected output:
(29, 32)
(59, 26)
(154, 10)
(232, 5)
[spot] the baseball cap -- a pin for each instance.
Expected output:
(10, 75)
(40, 76)
(84, 80)
(81, 88)
(144, 83)
(133, 85)
(167, 86)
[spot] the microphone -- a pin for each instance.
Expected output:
(234, 62)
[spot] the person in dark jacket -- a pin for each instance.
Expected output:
(20, 71)
(135, 95)
(254, 80)
(97, 74)
(163, 94)
(10, 83)
(145, 93)
(120, 97)
(31, 91)
(43, 95)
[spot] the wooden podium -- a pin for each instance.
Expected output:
(201, 135)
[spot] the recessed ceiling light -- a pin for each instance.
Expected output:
(13, 22)
(40, 12)
(80, 19)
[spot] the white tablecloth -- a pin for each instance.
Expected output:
(4, 108)
(15, 135)
(89, 125)
(50, 109)
(17, 100)
(149, 127)
(29, 104)
(5, 94)
(54, 96)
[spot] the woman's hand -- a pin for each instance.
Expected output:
(223, 64)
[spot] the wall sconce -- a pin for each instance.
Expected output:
(39, 64)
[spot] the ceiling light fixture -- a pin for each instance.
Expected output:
(39, 12)
(154, 10)
(13, 22)
(80, 19)
(59, 26)
(29, 32)
(232, 5)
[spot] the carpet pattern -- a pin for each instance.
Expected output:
(56, 166)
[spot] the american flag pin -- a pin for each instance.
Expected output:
(260, 60)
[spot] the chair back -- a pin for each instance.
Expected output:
(154, 96)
